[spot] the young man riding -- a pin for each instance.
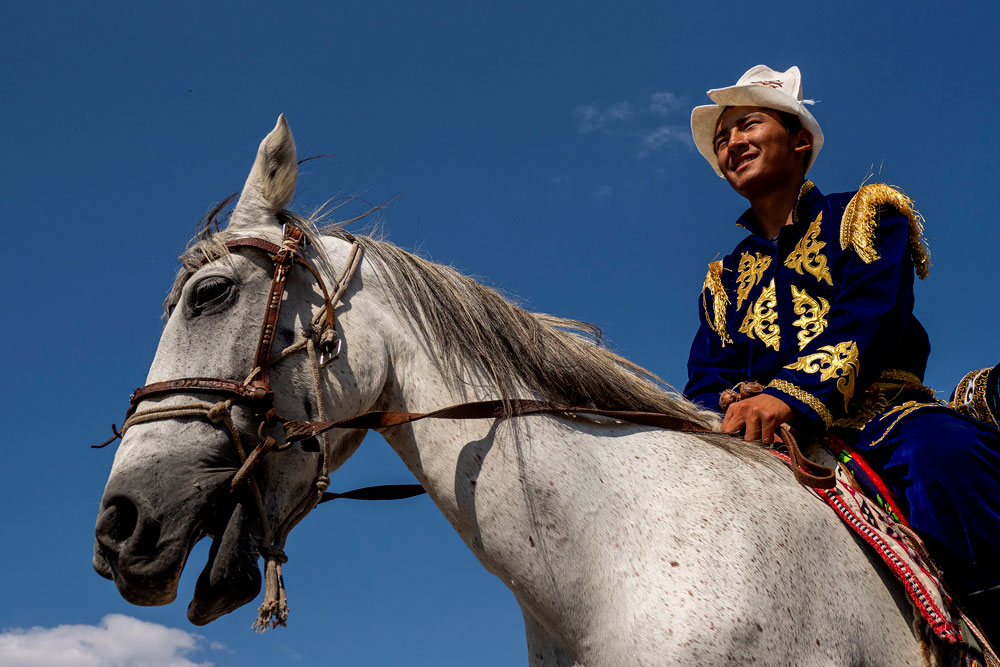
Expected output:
(809, 322)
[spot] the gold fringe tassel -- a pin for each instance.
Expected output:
(860, 224)
(720, 301)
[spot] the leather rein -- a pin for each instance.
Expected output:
(277, 433)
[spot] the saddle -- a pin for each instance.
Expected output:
(869, 508)
(863, 502)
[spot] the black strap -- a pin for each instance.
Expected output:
(384, 492)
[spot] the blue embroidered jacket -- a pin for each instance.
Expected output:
(822, 316)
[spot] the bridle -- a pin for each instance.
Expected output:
(256, 393)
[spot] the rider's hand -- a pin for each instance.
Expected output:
(760, 416)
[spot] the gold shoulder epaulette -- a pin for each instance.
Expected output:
(861, 221)
(720, 300)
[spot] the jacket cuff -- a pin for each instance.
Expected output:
(801, 400)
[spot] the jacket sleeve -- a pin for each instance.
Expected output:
(870, 310)
(714, 362)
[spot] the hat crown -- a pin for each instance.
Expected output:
(788, 82)
(759, 86)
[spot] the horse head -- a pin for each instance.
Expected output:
(172, 479)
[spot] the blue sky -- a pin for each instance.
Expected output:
(542, 147)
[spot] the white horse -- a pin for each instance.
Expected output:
(623, 544)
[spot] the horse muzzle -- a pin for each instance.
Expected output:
(132, 548)
(146, 529)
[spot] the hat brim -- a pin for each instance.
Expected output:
(704, 119)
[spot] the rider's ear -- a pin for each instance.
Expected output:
(803, 141)
(271, 182)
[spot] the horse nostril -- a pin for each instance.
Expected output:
(117, 522)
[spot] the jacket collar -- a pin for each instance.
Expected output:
(809, 194)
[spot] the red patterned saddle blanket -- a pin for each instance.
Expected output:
(868, 507)
(877, 519)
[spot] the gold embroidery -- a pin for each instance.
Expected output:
(902, 410)
(906, 377)
(833, 361)
(860, 223)
(893, 381)
(717, 318)
(805, 397)
(807, 254)
(962, 393)
(813, 315)
(970, 397)
(801, 200)
(880, 395)
(873, 403)
(751, 271)
(762, 319)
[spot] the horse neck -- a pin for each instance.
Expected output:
(529, 495)
(439, 452)
(540, 500)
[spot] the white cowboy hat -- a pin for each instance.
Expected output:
(760, 86)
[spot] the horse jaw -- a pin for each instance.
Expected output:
(231, 577)
(160, 500)
(229, 580)
(271, 182)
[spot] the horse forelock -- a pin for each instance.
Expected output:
(561, 360)
(209, 244)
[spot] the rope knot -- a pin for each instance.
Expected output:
(276, 554)
(322, 483)
(218, 412)
(329, 345)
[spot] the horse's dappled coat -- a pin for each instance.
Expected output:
(624, 545)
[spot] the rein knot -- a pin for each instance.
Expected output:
(327, 338)
(218, 412)
(322, 482)
(329, 345)
(276, 554)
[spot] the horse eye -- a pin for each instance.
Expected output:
(211, 293)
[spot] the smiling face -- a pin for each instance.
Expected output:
(757, 153)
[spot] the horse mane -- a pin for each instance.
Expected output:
(562, 360)
(557, 359)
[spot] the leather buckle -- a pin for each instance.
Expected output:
(275, 432)
(326, 356)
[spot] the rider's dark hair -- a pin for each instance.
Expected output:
(793, 124)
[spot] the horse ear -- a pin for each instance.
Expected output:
(271, 182)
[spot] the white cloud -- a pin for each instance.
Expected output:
(643, 123)
(619, 111)
(591, 118)
(663, 136)
(119, 641)
(664, 103)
